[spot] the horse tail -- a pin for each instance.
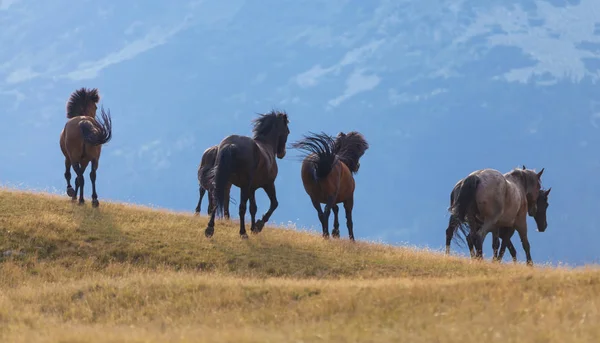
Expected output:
(218, 176)
(97, 131)
(465, 199)
(319, 151)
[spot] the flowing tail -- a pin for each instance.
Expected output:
(319, 149)
(98, 131)
(462, 200)
(218, 176)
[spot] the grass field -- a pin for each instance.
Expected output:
(130, 274)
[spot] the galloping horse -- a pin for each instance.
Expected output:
(248, 163)
(82, 138)
(498, 200)
(327, 172)
(208, 161)
(454, 225)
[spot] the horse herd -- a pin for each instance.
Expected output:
(485, 201)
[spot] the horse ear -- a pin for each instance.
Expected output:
(524, 167)
(548, 191)
(539, 175)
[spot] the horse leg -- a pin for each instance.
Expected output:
(452, 223)
(495, 244)
(70, 191)
(511, 249)
(253, 210)
(210, 203)
(202, 192)
(348, 206)
(79, 180)
(210, 227)
(94, 167)
(270, 190)
(244, 195)
(227, 199)
(506, 234)
(522, 230)
(336, 223)
(487, 227)
(317, 206)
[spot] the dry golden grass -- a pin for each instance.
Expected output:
(124, 273)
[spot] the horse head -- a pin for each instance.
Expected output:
(273, 128)
(532, 184)
(283, 131)
(542, 206)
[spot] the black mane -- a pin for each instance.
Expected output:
(265, 123)
(349, 148)
(318, 148)
(80, 100)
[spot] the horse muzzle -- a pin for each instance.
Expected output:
(281, 155)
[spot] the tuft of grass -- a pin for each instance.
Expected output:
(72, 273)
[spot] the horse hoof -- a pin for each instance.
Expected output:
(70, 192)
(244, 236)
(81, 202)
(325, 236)
(258, 226)
(209, 232)
(335, 233)
(95, 203)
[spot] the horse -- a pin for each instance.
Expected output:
(250, 164)
(454, 225)
(208, 161)
(499, 200)
(539, 217)
(327, 174)
(82, 138)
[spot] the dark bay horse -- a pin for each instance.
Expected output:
(498, 200)
(82, 138)
(250, 164)
(327, 174)
(208, 161)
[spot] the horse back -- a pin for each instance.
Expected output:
(499, 197)
(252, 160)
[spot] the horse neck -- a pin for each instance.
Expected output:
(518, 181)
(270, 141)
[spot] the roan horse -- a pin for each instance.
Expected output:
(454, 225)
(208, 161)
(498, 201)
(326, 173)
(248, 163)
(82, 138)
(504, 233)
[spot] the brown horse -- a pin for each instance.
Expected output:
(250, 164)
(326, 173)
(540, 220)
(82, 138)
(208, 161)
(498, 200)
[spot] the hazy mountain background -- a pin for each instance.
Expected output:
(439, 88)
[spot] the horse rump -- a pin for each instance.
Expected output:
(217, 177)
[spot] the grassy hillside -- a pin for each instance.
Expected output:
(123, 273)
